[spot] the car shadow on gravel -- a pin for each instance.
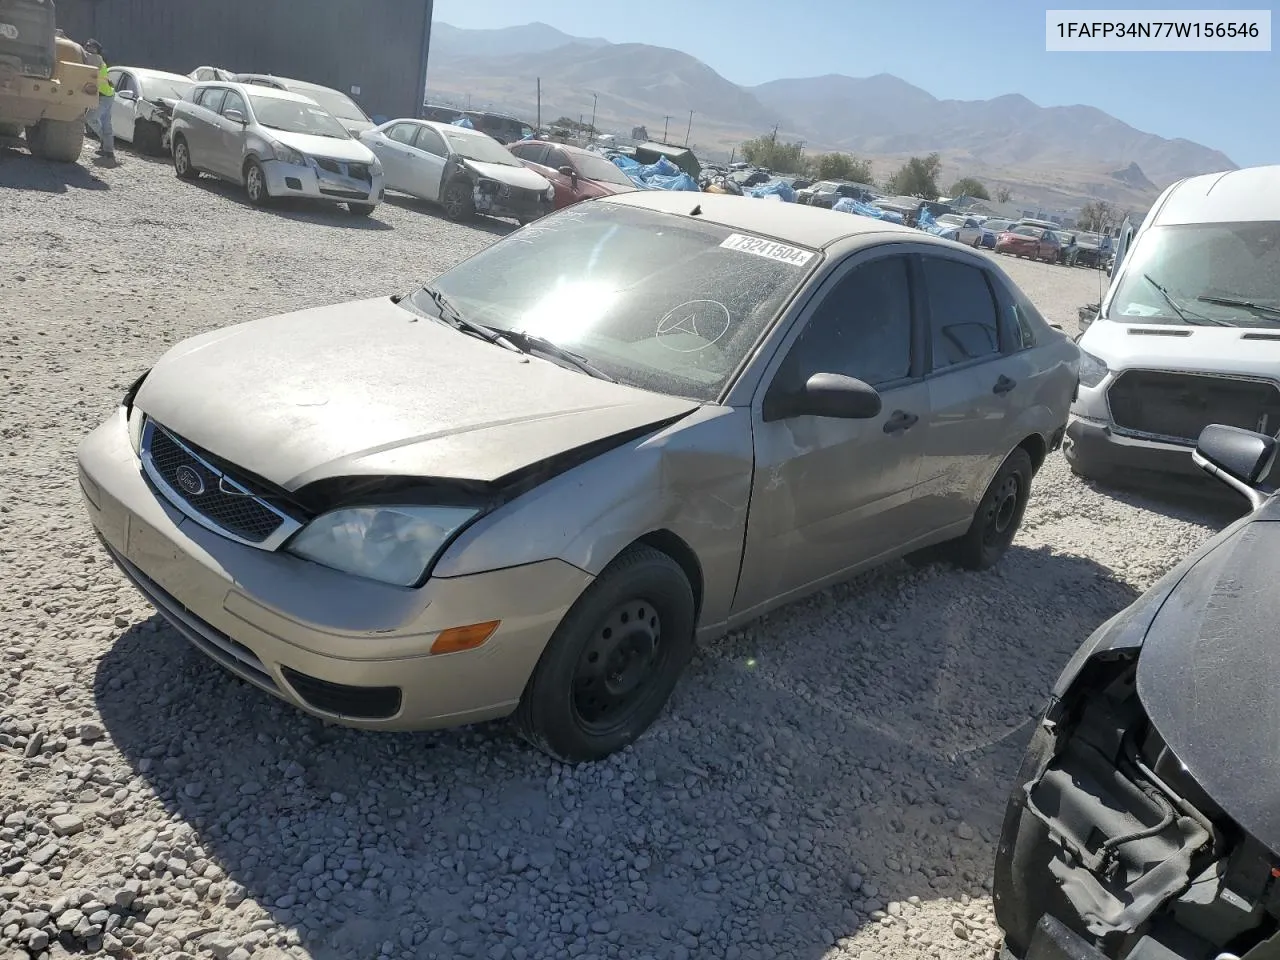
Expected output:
(21, 171)
(814, 770)
(318, 212)
(499, 228)
(1189, 499)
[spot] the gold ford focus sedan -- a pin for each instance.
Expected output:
(530, 486)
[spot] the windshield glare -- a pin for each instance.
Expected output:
(338, 104)
(1236, 261)
(292, 116)
(652, 299)
(480, 147)
(173, 89)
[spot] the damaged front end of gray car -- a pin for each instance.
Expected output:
(1145, 821)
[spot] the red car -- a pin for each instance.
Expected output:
(576, 174)
(1022, 240)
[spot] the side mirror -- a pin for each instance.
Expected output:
(569, 172)
(235, 116)
(126, 95)
(830, 395)
(1239, 458)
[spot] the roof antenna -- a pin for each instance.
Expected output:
(696, 211)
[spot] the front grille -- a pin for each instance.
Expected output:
(352, 171)
(1177, 406)
(353, 703)
(209, 495)
(344, 194)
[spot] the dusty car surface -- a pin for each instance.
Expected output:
(531, 484)
(1145, 820)
(143, 106)
(465, 171)
(276, 144)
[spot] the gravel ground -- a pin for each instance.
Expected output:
(828, 782)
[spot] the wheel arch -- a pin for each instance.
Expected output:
(675, 547)
(1037, 449)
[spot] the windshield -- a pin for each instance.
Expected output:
(951, 219)
(664, 303)
(338, 104)
(997, 226)
(479, 147)
(163, 87)
(825, 186)
(1200, 265)
(1024, 231)
(595, 167)
(1089, 238)
(293, 116)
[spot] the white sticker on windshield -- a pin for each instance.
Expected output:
(767, 248)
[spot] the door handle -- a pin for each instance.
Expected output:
(900, 421)
(1003, 385)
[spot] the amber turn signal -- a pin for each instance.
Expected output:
(456, 639)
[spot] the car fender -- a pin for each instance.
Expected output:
(691, 479)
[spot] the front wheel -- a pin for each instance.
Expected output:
(998, 516)
(613, 661)
(360, 209)
(148, 138)
(255, 184)
(459, 204)
(58, 140)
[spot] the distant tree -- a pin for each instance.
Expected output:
(841, 166)
(1097, 216)
(918, 177)
(969, 187)
(777, 155)
(1004, 195)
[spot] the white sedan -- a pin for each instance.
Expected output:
(143, 106)
(966, 230)
(465, 171)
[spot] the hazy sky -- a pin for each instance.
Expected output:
(955, 49)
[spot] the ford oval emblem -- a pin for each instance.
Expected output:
(189, 481)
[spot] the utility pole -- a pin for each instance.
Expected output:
(593, 114)
(688, 130)
(774, 136)
(665, 120)
(539, 131)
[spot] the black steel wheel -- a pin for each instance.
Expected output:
(614, 660)
(999, 514)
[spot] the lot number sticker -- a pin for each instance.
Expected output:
(767, 248)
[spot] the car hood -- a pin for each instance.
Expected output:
(357, 127)
(352, 151)
(370, 389)
(1207, 674)
(520, 176)
(1245, 351)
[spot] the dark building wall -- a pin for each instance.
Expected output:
(379, 46)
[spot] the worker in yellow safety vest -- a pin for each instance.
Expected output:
(100, 120)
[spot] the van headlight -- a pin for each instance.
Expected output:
(391, 544)
(1092, 370)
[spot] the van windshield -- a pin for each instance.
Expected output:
(1204, 274)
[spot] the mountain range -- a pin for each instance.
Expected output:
(1049, 155)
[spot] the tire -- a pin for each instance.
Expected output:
(255, 184)
(999, 514)
(148, 138)
(182, 164)
(459, 205)
(567, 709)
(58, 140)
(360, 209)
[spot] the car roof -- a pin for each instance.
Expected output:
(793, 223)
(451, 127)
(254, 90)
(566, 147)
(146, 74)
(1237, 195)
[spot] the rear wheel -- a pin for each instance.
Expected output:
(613, 661)
(59, 140)
(255, 184)
(182, 164)
(360, 209)
(998, 516)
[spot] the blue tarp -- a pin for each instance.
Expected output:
(925, 220)
(774, 188)
(464, 122)
(850, 205)
(663, 175)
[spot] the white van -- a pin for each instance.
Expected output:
(1189, 331)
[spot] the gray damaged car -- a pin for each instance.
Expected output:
(529, 486)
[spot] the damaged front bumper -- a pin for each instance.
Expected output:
(495, 199)
(1110, 851)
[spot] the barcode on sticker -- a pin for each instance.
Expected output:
(767, 248)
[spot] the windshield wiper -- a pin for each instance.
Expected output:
(450, 315)
(1186, 316)
(1258, 309)
(532, 342)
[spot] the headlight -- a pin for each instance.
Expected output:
(288, 155)
(135, 431)
(391, 544)
(1092, 370)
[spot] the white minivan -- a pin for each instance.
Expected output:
(1188, 333)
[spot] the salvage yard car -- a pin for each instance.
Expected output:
(1188, 333)
(349, 113)
(531, 484)
(143, 106)
(1025, 240)
(1145, 821)
(577, 174)
(465, 171)
(276, 144)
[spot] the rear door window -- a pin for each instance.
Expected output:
(963, 323)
